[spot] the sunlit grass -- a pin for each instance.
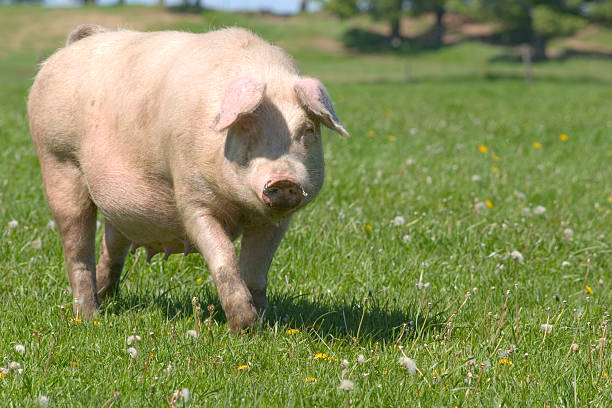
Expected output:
(457, 228)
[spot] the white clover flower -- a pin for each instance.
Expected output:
(51, 224)
(12, 224)
(347, 385)
(398, 221)
(476, 178)
(134, 338)
(42, 401)
(406, 239)
(361, 359)
(132, 352)
(548, 328)
(20, 348)
(14, 366)
(539, 210)
(565, 264)
(517, 256)
(408, 364)
(4, 370)
(37, 243)
(192, 333)
(568, 232)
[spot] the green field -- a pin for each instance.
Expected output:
(475, 162)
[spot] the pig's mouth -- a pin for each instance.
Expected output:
(283, 194)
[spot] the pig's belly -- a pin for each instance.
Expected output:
(143, 210)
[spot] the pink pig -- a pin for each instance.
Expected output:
(183, 142)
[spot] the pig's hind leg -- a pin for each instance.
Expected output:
(75, 216)
(114, 249)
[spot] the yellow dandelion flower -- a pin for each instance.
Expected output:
(96, 322)
(609, 153)
(563, 137)
(321, 355)
(489, 204)
(537, 145)
(495, 170)
(1, 375)
(483, 149)
(610, 199)
(388, 112)
(495, 158)
(370, 133)
(242, 367)
(293, 331)
(392, 138)
(367, 227)
(198, 280)
(76, 320)
(589, 289)
(310, 379)
(505, 361)
(74, 364)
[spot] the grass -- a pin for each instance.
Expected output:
(453, 152)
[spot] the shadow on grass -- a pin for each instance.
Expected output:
(371, 320)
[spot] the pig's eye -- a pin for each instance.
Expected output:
(309, 134)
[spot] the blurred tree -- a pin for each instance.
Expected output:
(438, 7)
(600, 11)
(389, 10)
(536, 21)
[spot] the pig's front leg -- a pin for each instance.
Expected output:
(213, 242)
(258, 248)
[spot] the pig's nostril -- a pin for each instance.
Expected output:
(282, 194)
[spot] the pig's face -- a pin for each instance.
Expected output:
(274, 142)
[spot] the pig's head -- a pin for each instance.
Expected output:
(273, 145)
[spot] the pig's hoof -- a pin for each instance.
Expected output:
(259, 299)
(242, 317)
(85, 309)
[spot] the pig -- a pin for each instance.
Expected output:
(184, 142)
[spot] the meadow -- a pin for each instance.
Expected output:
(459, 253)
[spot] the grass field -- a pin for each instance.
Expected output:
(466, 224)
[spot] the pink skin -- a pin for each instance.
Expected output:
(182, 147)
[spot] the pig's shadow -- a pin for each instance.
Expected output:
(325, 315)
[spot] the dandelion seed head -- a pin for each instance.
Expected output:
(476, 178)
(37, 243)
(134, 338)
(565, 264)
(132, 352)
(347, 385)
(14, 366)
(547, 328)
(361, 359)
(12, 224)
(51, 224)
(192, 333)
(398, 221)
(407, 364)
(517, 256)
(20, 348)
(539, 210)
(344, 364)
(42, 401)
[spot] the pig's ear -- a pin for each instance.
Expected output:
(242, 97)
(314, 97)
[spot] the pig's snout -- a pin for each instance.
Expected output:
(283, 193)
